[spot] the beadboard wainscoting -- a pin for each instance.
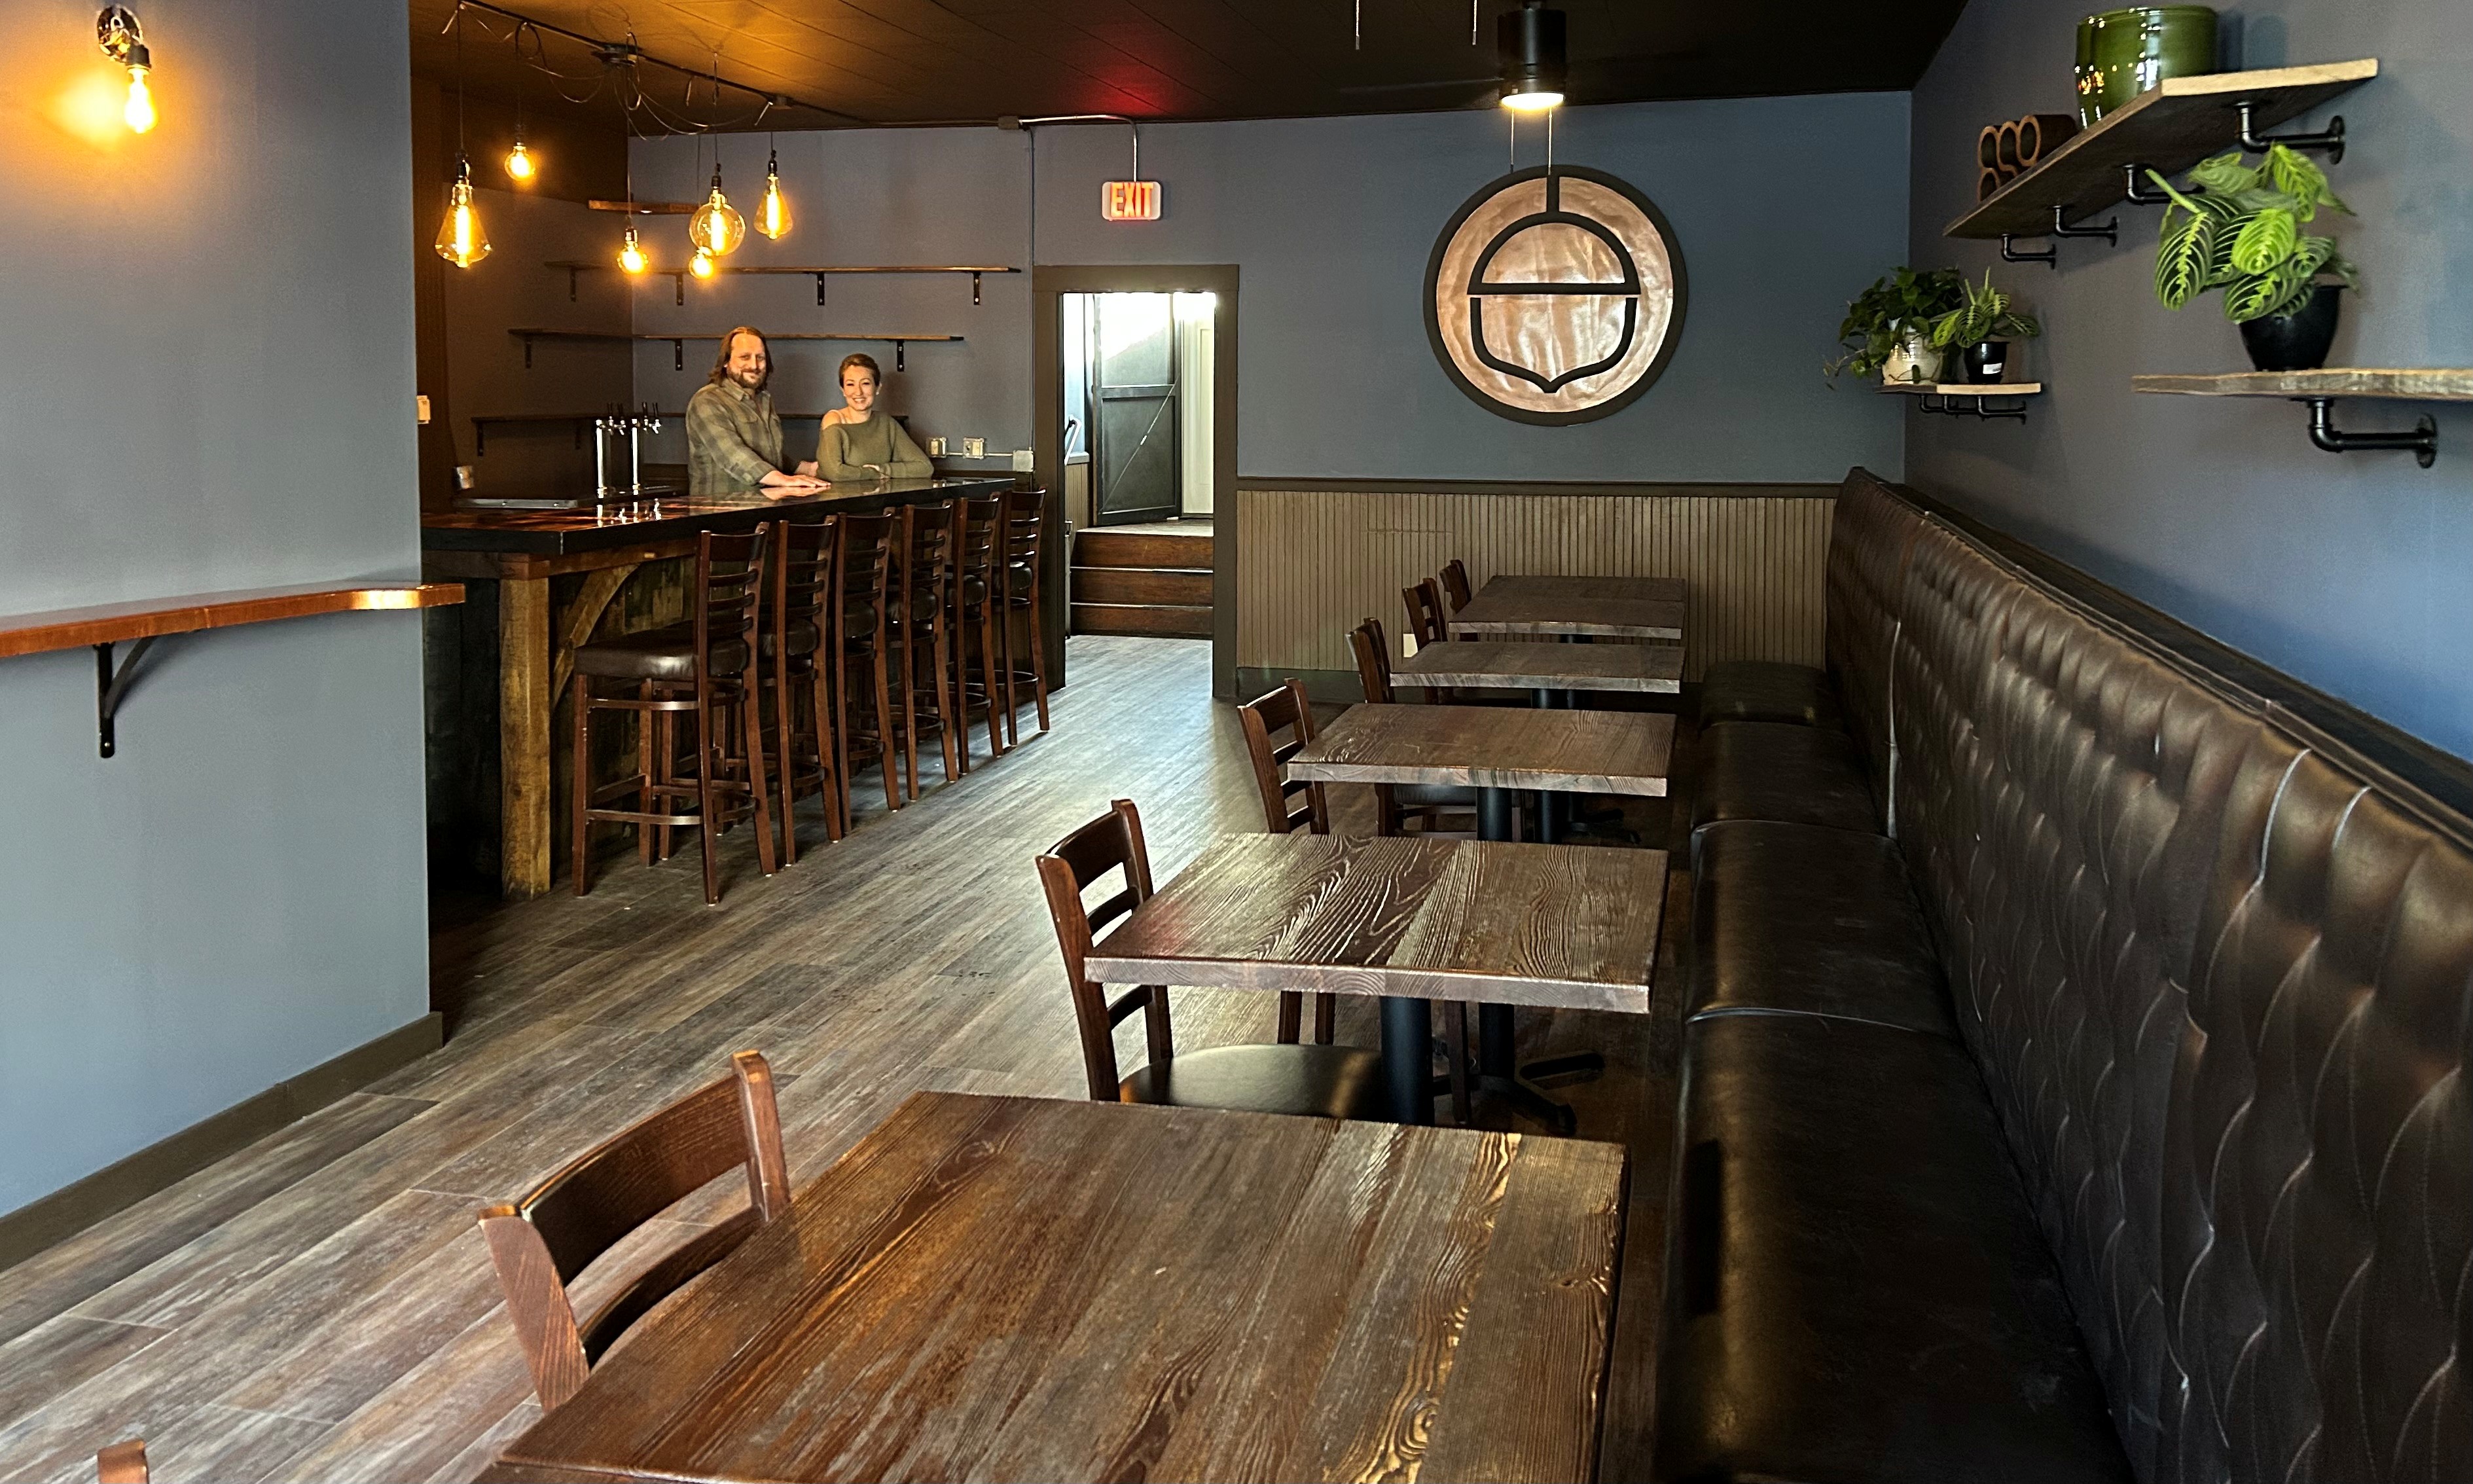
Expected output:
(1317, 557)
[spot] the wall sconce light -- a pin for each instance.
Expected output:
(117, 32)
(1529, 41)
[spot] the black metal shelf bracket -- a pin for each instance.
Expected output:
(528, 352)
(975, 288)
(820, 290)
(2330, 139)
(901, 356)
(678, 355)
(2422, 440)
(1953, 406)
(110, 686)
(2136, 194)
(2051, 256)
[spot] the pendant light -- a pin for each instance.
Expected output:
(631, 254)
(717, 227)
(773, 216)
(117, 32)
(701, 265)
(460, 239)
(520, 164)
(1529, 41)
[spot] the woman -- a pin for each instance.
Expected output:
(860, 442)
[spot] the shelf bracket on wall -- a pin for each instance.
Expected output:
(678, 355)
(819, 291)
(572, 274)
(528, 352)
(2136, 194)
(2051, 256)
(110, 686)
(2422, 441)
(2330, 139)
(975, 288)
(900, 360)
(679, 289)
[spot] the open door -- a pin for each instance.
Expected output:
(1134, 417)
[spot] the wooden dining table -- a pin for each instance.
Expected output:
(1026, 1288)
(1614, 608)
(1553, 671)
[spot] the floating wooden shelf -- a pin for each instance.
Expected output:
(2169, 128)
(2319, 390)
(678, 342)
(1965, 388)
(647, 208)
(678, 275)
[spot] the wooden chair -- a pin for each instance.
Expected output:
(1426, 622)
(540, 1243)
(978, 609)
(1286, 710)
(1320, 1080)
(919, 611)
(863, 570)
(802, 674)
(1025, 523)
(707, 668)
(122, 1463)
(1435, 807)
(1456, 584)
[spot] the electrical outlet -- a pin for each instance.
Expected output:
(1023, 461)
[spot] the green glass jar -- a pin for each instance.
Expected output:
(2122, 54)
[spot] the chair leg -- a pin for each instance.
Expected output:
(1456, 1047)
(941, 657)
(707, 758)
(828, 773)
(759, 787)
(579, 784)
(885, 754)
(988, 675)
(644, 726)
(909, 666)
(786, 748)
(1038, 661)
(1004, 622)
(666, 759)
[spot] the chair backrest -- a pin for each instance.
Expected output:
(926, 553)
(1263, 719)
(729, 592)
(1373, 661)
(540, 1243)
(1111, 842)
(803, 569)
(1424, 602)
(865, 561)
(979, 535)
(1455, 583)
(122, 1463)
(1026, 522)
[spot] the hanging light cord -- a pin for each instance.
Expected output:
(618, 79)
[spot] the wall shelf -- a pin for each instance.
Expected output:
(2318, 390)
(647, 208)
(2169, 128)
(678, 342)
(678, 275)
(1967, 399)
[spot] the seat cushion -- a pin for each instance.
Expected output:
(1761, 690)
(1322, 1082)
(803, 638)
(655, 654)
(1856, 1287)
(1801, 919)
(1780, 770)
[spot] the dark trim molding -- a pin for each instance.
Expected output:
(1634, 489)
(115, 1188)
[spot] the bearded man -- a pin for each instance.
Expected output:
(734, 436)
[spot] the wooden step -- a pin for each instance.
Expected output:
(1142, 584)
(1168, 620)
(1141, 549)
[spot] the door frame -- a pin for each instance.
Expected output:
(1050, 283)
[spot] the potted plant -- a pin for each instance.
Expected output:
(1981, 330)
(2238, 227)
(1888, 327)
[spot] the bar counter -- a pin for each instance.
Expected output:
(521, 550)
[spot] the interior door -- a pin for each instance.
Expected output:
(1133, 413)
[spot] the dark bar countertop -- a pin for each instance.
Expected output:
(590, 527)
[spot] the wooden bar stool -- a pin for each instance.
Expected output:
(918, 613)
(863, 575)
(1025, 526)
(978, 607)
(707, 667)
(803, 676)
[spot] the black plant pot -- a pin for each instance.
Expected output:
(2295, 342)
(1985, 362)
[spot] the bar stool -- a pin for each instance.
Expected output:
(978, 604)
(801, 675)
(705, 666)
(863, 577)
(1025, 527)
(918, 613)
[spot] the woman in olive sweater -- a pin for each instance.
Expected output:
(861, 442)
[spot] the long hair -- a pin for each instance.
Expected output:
(721, 363)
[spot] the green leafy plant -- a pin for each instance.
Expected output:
(2238, 227)
(1987, 315)
(1898, 307)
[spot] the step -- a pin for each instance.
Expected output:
(1141, 549)
(1177, 585)
(1168, 620)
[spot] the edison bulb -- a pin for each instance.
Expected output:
(519, 162)
(631, 256)
(701, 265)
(717, 227)
(139, 111)
(772, 213)
(1532, 102)
(460, 239)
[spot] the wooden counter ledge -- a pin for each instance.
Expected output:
(113, 623)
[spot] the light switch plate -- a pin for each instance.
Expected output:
(1023, 461)
(422, 404)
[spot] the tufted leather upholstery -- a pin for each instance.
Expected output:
(1779, 771)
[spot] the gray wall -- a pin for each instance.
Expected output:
(2354, 573)
(197, 402)
(1331, 222)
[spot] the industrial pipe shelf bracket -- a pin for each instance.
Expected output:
(2422, 440)
(2330, 139)
(110, 686)
(1970, 407)
(2051, 256)
(2136, 194)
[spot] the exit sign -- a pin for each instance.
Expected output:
(1129, 201)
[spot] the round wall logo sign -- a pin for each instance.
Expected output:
(1555, 296)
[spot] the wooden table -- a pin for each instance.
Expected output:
(1017, 1288)
(522, 549)
(1552, 670)
(1407, 919)
(1619, 608)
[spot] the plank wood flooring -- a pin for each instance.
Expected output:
(320, 1306)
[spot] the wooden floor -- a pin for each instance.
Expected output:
(320, 1307)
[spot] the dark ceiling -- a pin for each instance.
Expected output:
(917, 61)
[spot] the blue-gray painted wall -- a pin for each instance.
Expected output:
(1331, 222)
(2353, 572)
(209, 387)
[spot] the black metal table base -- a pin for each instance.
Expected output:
(1409, 1058)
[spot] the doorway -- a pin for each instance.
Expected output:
(1139, 388)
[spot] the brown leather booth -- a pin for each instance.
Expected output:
(2091, 1106)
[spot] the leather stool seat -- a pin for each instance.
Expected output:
(1798, 918)
(1761, 690)
(666, 654)
(1313, 1081)
(858, 621)
(1780, 770)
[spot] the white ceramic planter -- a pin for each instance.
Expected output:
(1915, 360)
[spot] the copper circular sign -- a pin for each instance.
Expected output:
(1555, 296)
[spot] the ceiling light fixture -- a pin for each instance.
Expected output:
(460, 239)
(630, 255)
(716, 228)
(117, 32)
(701, 265)
(1529, 41)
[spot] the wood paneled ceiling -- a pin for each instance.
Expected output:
(920, 62)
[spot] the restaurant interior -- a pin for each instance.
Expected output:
(1171, 739)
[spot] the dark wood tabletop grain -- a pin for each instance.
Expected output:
(1622, 607)
(1023, 1288)
(1493, 746)
(1467, 919)
(1535, 666)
